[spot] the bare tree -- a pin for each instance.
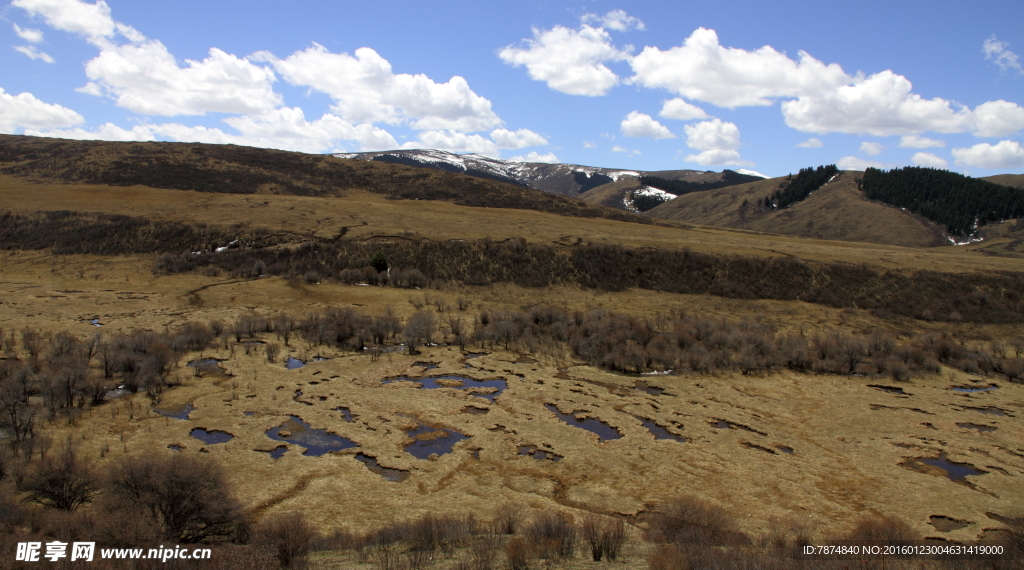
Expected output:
(289, 536)
(419, 329)
(188, 496)
(63, 481)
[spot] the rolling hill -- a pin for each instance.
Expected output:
(837, 211)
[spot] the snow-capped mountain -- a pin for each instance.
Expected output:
(564, 179)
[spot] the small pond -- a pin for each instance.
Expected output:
(316, 441)
(603, 431)
(980, 428)
(205, 365)
(212, 436)
(427, 440)
(396, 475)
(292, 363)
(954, 471)
(426, 365)
(660, 432)
(784, 449)
(96, 322)
(275, 453)
(647, 388)
(178, 413)
(494, 386)
(889, 389)
(346, 414)
(539, 454)
(972, 389)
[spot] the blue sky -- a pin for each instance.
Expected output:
(640, 85)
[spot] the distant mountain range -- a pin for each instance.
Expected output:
(564, 179)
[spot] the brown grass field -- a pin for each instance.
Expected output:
(818, 451)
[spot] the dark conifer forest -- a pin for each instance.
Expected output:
(958, 202)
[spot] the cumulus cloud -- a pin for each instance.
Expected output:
(505, 138)
(871, 148)
(917, 141)
(631, 152)
(588, 144)
(105, 132)
(680, 110)
(704, 70)
(285, 128)
(145, 78)
(811, 143)
(568, 60)
(24, 111)
(996, 52)
(366, 90)
(33, 53)
(533, 156)
(617, 20)
(639, 125)
(856, 163)
(717, 140)
(1004, 154)
(997, 119)
(455, 142)
(93, 21)
(880, 105)
(929, 160)
(30, 35)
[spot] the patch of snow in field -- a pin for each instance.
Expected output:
(751, 173)
(656, 192)
(969, 240)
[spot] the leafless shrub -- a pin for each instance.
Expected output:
(552, 535)
(187, 496)
(517, 554)
(605, 536)
(507, 518)
(689, 520)
(63, 481)
(882, 528)
(272, 351)
(289, 537)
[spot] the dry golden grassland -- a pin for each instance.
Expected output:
(367, 215)
(856, 449)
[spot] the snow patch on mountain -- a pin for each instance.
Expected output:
(750, 173)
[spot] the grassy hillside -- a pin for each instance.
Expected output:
(242, 170)
(838, 211)
(616, 194)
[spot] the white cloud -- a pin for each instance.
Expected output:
(505, 138)
(639, 125)
(105, 132)
(570, 61)
(616, 20)
(142, 76)
(871, 148)
(145, 78)
(24, 111)
(996, 51)
(880, 105)
(718, 141)
(929, 160)
(454, 142)
(997, 119)
(30, 35)
(856, 163)
(917, 141)
(365, 90)
(680, 110)
(33, 53)
(90, 20)
(630, 152)
(703, 70)
(533, 156)
(285, 128)
(588, 144)
(1004, 154)
(811, 143)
